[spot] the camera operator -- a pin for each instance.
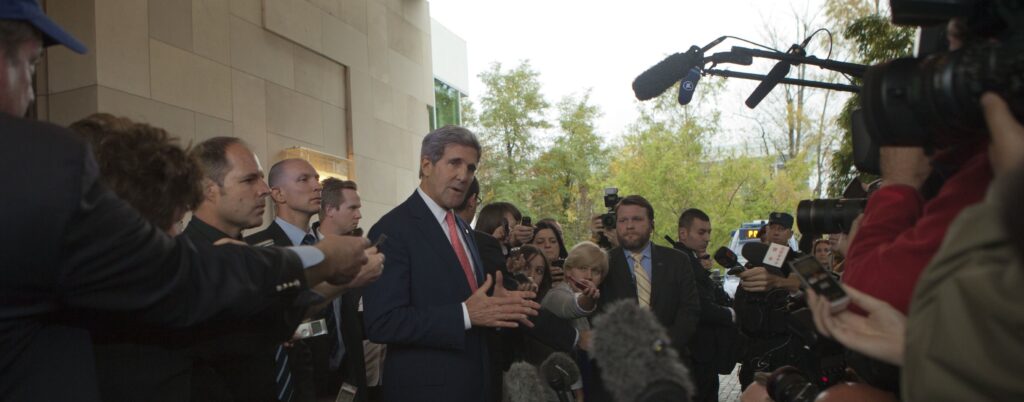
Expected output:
(901, 230)
(503, 221)
(712, 344)
(961, 341)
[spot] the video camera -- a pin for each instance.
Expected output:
(932, 99)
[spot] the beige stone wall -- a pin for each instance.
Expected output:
(351, 78)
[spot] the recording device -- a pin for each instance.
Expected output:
(787, 384)
(611, 199)
(560, 372)
(527, 221)
(636, 357)
(687, 85)
(728, 259)
(814, 276)
(662, 76)
(310, 329)
(827, 216)
(932, 100)
(380, 240)
(522, 384)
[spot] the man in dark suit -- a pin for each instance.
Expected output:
(344, 356)
(295, 191)
(712, 346)
(656, 277)
(431, 305)
(82, 253)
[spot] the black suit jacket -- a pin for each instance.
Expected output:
(300, 355)
(75, 254)
(674, 298)
(416, 309)
(715, 340)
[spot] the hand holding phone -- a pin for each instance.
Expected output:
(814, 276)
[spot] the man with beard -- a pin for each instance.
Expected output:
(656, 277)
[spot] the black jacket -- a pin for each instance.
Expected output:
(715, 340)
(76, 254)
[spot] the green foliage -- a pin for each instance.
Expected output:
(875, 40)
(512, 109)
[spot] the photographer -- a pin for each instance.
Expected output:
(961, 341)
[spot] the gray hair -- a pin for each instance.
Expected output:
(436, 141)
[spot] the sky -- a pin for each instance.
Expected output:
(603, 45)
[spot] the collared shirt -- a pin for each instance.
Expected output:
(295, 234)
(439, 214)
(645, 262)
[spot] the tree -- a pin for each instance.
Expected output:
(511, 111)
(874, 39)
(565, 187)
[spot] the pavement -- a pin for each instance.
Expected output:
(729, 386)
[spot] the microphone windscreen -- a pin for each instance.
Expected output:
(768, 83)
(726, 257)
(663, 75)
(522, 384)
(755, 252)
(560, 369)
(688, 85)
(633, 351)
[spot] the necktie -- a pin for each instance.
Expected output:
(460, 252)
(337, 348)
(308, 240)
(283, 373)
(643, 282)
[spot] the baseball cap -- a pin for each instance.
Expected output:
(30, 12)
(782, 218)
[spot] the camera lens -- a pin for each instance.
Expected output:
(828, 216)
(787, 384)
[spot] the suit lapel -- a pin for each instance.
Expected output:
(433, 235)
(659, 275)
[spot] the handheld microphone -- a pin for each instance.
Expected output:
(754, 253)
(522, 384)
(561, 372)
(666, 73)
(635, 356)
(687, 85)
(768, 83)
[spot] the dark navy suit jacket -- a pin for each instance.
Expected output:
(416, 309)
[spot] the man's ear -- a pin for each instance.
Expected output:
(211, 191)
(277, 195)
(425, 165)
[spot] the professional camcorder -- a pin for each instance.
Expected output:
(932, 99)
(827, 216)
(611, 199)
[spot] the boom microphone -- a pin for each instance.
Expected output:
(561, 372)
(663, 75)
(768, 83)
(522, 384)
(635, 356)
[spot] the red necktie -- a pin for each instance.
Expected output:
(460, 252)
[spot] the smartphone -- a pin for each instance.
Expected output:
(310, 329)
(814, 276)
(527, 221)
(380, 240)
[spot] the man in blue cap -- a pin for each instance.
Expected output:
(78, 258)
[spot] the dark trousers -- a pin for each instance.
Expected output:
(706, 379)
